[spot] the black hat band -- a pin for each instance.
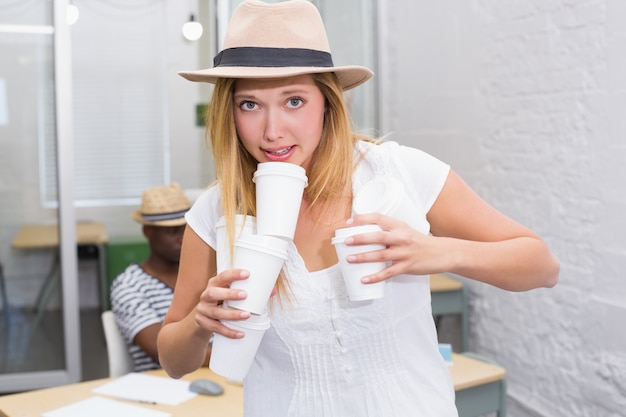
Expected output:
(272, 57)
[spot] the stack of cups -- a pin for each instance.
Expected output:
(386, 195)
(261, 248)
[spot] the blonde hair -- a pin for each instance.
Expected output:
(235, 166)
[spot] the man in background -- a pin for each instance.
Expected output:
(142, 293)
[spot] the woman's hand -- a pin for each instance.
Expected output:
(211, 308)
(407, 250)
(468, 237)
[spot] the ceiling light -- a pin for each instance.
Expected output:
(71, 14)
(192, 30)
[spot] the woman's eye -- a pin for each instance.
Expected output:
(247, 105)
(294, 103)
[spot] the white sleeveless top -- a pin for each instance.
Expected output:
(328, 356)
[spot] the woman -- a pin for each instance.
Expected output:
(278, 97)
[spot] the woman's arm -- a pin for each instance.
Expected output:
(194, 314)
(488, 246)
(469, 238)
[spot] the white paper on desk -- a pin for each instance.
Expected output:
(150, 388)
(103, 407)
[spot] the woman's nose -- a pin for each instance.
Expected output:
(273, 126)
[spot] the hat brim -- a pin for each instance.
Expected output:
(180, 221)
(349, 76)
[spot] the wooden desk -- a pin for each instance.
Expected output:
(477, 384)
(34, 403)
(448, 297)
(480, 386)
(46, 236)
(41, 236)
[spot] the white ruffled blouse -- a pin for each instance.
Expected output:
(325, 355)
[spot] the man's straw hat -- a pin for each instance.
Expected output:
(163, 206)
(272, 40)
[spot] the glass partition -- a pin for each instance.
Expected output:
(39, 326)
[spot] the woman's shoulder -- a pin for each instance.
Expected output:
(390, 148)
(208, 201)
(209, 195)
(204, 214)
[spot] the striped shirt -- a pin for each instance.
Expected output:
(139, 300)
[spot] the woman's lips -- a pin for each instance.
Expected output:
(281, 154)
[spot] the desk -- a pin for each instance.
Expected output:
(34, 403)
(448, 297)
(479, 387)
(46, 236)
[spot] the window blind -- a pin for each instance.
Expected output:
(120, 103)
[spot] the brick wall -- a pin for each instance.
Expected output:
(526, 99)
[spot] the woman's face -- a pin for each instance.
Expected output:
(279, 119)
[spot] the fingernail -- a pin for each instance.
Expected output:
(244, 314)
(241, 294)
(348, 240)
(365, 280)
(350, 221)
(351, 258)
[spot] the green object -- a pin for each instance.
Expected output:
(200, 113)
(120, 254)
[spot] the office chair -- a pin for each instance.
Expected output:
(120, 362)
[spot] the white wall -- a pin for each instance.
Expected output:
(526, 100)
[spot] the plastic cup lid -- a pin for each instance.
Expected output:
(281, 168)
(264, 243)
(341, 234)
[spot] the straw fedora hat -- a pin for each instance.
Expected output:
(273, 40)
(163, 206)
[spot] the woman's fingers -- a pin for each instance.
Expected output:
(218, 288)
(211, 311)
(407, 251)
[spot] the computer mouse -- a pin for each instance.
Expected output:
(206, 387)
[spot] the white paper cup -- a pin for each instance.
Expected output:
(244, 225)
(353, 272)
(386, 195)
(232, 358)
(279, 190)
(263, 257)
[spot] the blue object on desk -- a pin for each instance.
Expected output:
(446, 352)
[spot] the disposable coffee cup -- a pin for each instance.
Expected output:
(244, 225)
(387, 195)
(279, 190)
(232, 358)
(263, 256)
(353, 272)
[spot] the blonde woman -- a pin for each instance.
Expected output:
(278, 97)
